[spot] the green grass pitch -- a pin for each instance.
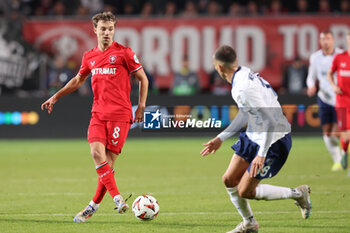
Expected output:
(44, 183)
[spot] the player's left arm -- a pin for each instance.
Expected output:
(143, 90)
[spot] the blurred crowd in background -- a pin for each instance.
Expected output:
(185, 82)
(189, 8)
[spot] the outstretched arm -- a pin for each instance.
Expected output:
(71, 86)
(213, 145)
(143, 90)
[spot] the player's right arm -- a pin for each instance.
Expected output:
(330, 76)
(71, 86)
(311, 77)
(237, 123)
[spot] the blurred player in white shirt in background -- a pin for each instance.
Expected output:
(320, 62)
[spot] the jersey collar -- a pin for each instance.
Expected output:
(329, 54)
(238, 69)
(98, 49)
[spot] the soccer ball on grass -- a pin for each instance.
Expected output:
(145, 207)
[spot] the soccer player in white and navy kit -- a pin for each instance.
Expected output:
(262, 149)
(320, 62)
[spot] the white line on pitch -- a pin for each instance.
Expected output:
(174, 213)
(82, 193)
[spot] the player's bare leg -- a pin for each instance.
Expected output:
(250, 188)
(235, 171)
(121, 206)
(331, 140)
(231, 179)
(98, 152)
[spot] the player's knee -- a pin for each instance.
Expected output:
(245, 193)
(96, 155)
(229, 181)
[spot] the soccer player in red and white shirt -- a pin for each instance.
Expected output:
(341, 65)
(111, 65)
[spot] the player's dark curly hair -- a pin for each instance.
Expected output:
(225, 54)
(104, 16)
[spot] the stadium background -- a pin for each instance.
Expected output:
(44, 181)
(42, 42)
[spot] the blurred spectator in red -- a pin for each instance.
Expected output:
(217, 85)
(147, 10)
(344, 7)
(302, 7)
(170, 9)
(252, 8)
(214, 8)
(276, 8)
(324, 7)
(235, 9)
(190, 9)
(186, 82)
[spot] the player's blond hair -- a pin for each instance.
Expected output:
(103, 16)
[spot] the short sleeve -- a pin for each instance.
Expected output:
(334, 65)
(84, 68)
(132, 62)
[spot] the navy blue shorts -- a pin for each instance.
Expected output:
(275, 158)
(326, 112)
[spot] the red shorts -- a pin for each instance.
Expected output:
(343, 112)
(111, 133)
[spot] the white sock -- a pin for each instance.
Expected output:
(94, 205)
(332, 143)
(241, 204)
(270, 192)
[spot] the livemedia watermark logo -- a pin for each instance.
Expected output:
(157, 120)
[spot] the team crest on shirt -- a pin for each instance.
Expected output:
(112, 59)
